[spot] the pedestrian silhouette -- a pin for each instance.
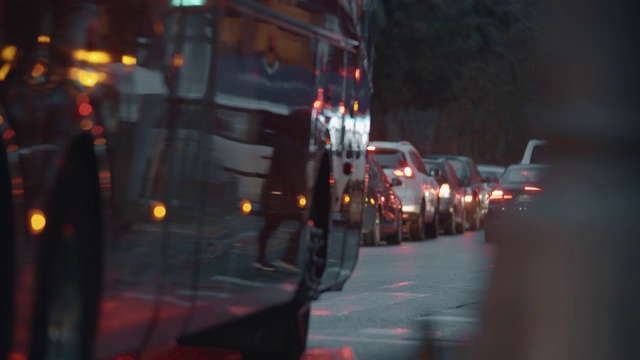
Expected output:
(281, 193)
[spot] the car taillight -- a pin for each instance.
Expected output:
(405, 171)
(445, 191)
(500, 195)
(532, 188)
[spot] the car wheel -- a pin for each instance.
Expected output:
(450, 225)
(432, 228)
(474, 222)
(68, 262)
(416, 228)
(460, 224)
(372, 237)
(396, 238)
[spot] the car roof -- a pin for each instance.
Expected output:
(489, 167)
(401, 145)
(433, 160)
(528, 166)
(448, 156)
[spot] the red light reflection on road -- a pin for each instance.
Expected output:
(399, 284)
(401, 330)
(203, 353)
(320, 312)
(343, 353)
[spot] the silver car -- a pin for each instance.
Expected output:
(418, 191)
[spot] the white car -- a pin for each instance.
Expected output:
(536, 152)
(417, 190)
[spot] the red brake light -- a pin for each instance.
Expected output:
(500, 195)
(371, 148)
(532, 188)
(408, 172)
(445, 191)
(405, 171)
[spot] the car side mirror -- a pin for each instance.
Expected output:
(435, 173)
(396, 182)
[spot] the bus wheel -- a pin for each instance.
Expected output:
(68, 271)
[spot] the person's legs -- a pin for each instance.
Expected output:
(271, 224)
(289, 259)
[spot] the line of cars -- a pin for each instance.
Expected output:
(422, 196)
(419, 196)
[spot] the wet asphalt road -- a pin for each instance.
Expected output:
(399, 299)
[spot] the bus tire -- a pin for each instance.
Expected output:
(68, 269)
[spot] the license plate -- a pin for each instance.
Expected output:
(524, 198)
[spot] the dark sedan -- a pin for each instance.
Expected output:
(451, 194)
(471, 180)
(382, 214)
(510, 200)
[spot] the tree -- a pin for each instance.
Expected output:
(471, 61)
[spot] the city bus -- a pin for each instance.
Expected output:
(178, 170)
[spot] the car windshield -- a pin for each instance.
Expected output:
(434, 165)
(460, 168)
(390, 158)
(490, 174)
(430, 166)
(523, 176)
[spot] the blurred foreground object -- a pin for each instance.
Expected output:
(566, 288)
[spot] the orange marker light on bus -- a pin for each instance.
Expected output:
(8, 53)
(37, 221)
(302, 201)
(245, 207)
(129, 60)
(158, 211)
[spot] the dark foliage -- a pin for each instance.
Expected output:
(472, 62)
